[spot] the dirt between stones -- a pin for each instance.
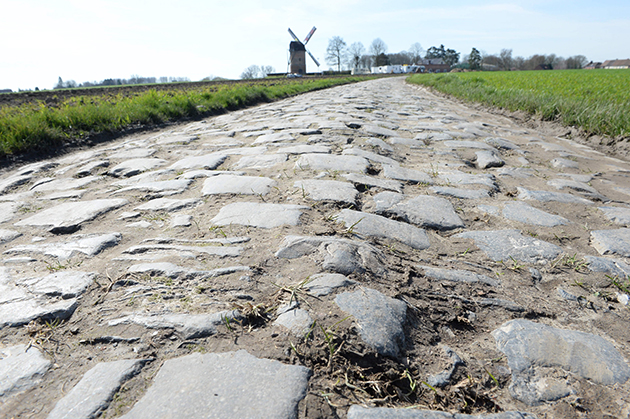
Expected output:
(442, 315)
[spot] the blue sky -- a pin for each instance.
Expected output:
(92, 40)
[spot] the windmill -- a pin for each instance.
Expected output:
(297, 48)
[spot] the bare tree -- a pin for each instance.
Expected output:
(265, 70)
(416, 52)
(251, 72)
(505, 60)
(355, 52)
(336, 51)
(378, 49)
(576, 62)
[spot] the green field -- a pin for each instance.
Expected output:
(598, 101)
(41, 127)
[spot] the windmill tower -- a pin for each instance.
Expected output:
(297, 56)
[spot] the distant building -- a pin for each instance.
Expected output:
(6, 91)
(592, 66)
(433, 65)
(616, 64)
(544, 67)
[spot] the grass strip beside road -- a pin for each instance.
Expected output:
(40, 128)
(598, 101)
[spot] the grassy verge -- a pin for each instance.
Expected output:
(597, 101)
(40, 128)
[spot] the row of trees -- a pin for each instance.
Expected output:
(257, 72)
(477, 60)
(135, 79)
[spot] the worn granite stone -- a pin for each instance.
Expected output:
(521, 212)
(380, 319)
(297, 321)
(328, 190)
(360, 179)
(614, 267)
(93, 393)
(377, 158)
(260, 215)
(530, 346)
(230, 385)
(64, 284)
(242, 185)
(8, 235)
(21, 367)
(488, 158)
(443, 378)
(88, 244)
(332, 162)
(23, 310)
(208, 162)
(460, 193)
(457, 275)
(618, 215)
(325, 283)
(168, 204)
(560, 163)
(133, 167)
(503, 244)
(64, 184)
(160, 187)
(546, 196)
(611, 241)
(68, 217)
(461, 178)
(376, 226)
(339, 255)
(189, 326)
(262, 161)
(426, 211)
(407, 175)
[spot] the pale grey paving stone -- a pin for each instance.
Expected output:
(245, 151)
(360, 179)
(560, 163)
(611, 241)
(135, 166)
(546, 196)
(461, 178)
(274, 138)
(65, 284)
(339, 255)
(173, 271)
(188, 326)
(230, 385)
(377, 130)
(22, 311)
(260, 162)
(133, 153)
(523, 213)
(297, 321)
(489, 209)
(438, 136)
(69, 216)
(408, 175)
(515, 172)
(181, 250)
(618, 215)
(488, 158)
(380, 319)
(579, 178)
(377, 142)
(428, 212)
(580, 187)
(442, 379)
(167, 204)
(503, 244)
(376, 226)
(332, 162)
(328, 190)
(140, 224)
(208, 162)
(93, 393)
(88, 244)
(325, 283)
(243, 185)
(460, 193)
(181, 220)
(615, 267)
(65, 184)
(360, 412)
(467, 144)
(162, 187)
(8, 235)
(70, 194)
(530, 346)
(304, 149)
(457, 275)
(21, 367)
(177, 139)
(385, 200)
(501, 143)
(260, 215)
(88, 168)
(142, 178)
(201, 173)
(8, 210)
(413, 143)
(369, 155)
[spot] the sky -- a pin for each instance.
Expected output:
(92, 40)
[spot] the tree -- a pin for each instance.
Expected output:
(449, 56)
(336, 52)
(251, 72)
(474, 59)
(265, 70)
(59, 84)
(378, 50)
(415, 52)
(576, 62)
(355, 52)
(505, 60)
